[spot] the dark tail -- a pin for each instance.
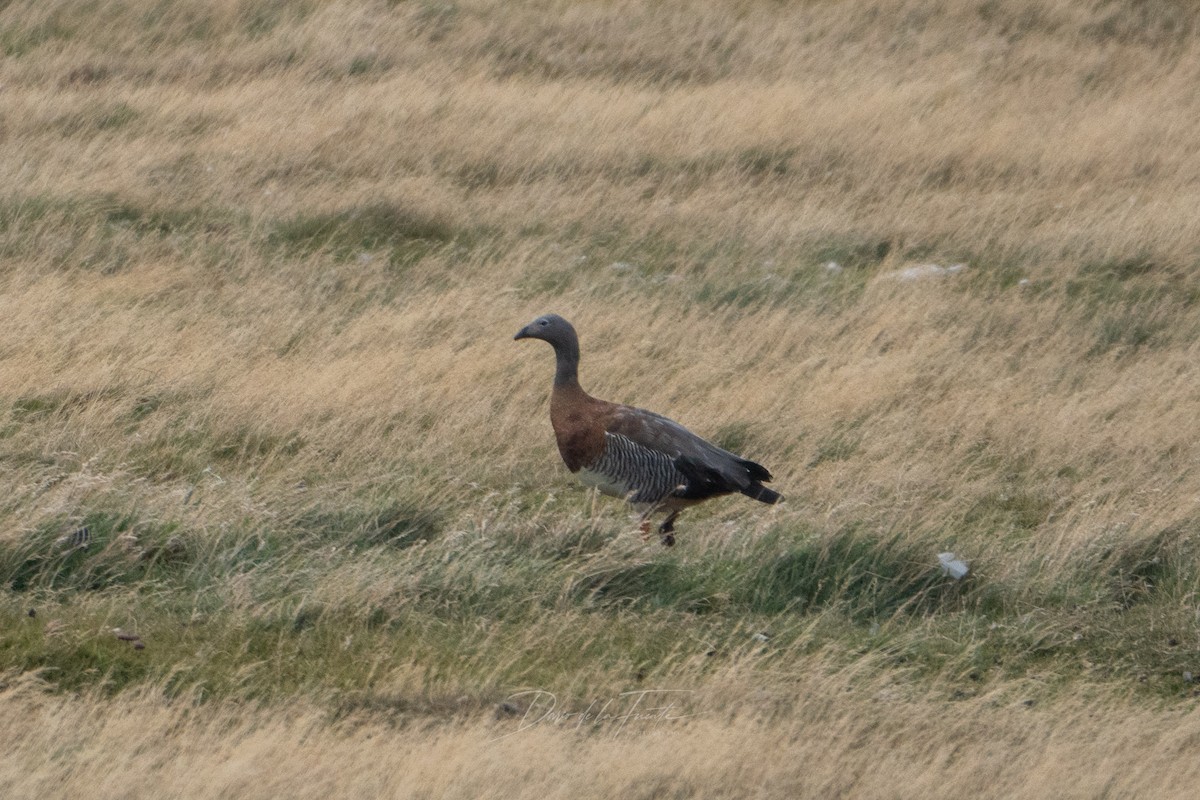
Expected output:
(705, 480)
(762, 494)
(756, 490)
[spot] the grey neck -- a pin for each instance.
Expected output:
(566, 357)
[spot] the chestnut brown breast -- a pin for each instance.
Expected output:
(578, 422)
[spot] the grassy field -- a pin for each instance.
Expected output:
(933, 263)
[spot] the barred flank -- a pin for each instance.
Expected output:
(650, 475)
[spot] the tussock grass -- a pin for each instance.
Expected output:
(262, 266)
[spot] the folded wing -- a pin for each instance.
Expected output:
(707, 470)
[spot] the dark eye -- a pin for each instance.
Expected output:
(543, 322)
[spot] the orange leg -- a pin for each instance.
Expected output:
(664, 530)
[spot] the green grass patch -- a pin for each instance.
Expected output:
(1129, 331)
(389, 522)
(37, 407)
(339, 599)
(405, 236)
(17, 40)
(842, 443)
(1010, 509)
(96, 552)
(93, 120)
(161, 221)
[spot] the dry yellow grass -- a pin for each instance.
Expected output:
(875, 742)
(262, 262)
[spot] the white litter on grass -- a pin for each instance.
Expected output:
(921, 271)
(953, 566)
(832, 267)
(621, 266)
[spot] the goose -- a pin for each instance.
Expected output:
(656, 464)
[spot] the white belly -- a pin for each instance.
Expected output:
(602, 482)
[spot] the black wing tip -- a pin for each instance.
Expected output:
(762, 494)
(757, 471)
(704, 480)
